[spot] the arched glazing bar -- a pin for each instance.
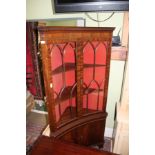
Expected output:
(90, 90)
(59, 107)
(52, 50)
(94, 45)
(63, 51)
(71, 96)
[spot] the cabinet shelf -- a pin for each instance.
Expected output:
(67, 90)
(71, 113)
(71, 66)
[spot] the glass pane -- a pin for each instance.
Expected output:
(101, 54)
(64, 83)
(94, 58)
(56, 68)
(93, 95)
(88, 61)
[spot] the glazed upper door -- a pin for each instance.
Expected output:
(63, 67)
(94, 49)
(95, 65)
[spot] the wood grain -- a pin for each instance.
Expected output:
(48, 146)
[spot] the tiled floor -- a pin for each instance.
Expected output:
(35, 124)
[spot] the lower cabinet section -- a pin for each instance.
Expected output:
(79, 131)
(84, 136)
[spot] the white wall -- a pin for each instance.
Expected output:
(43, 9)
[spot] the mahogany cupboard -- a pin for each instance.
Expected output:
(76, 63)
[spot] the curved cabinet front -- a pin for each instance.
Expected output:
(87, 130)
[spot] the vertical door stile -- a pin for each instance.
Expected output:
(108, 58)
(47, 73)
(79, 76)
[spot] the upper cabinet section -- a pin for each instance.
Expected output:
(76, 64)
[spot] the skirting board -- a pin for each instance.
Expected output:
(108, 132)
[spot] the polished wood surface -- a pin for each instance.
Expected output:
(48, 146)
(83, 126)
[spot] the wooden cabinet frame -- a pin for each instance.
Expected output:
(87, 126)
